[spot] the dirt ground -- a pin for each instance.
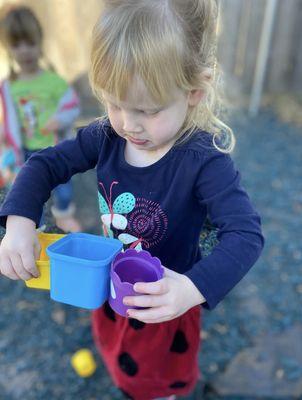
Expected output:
(251, 343)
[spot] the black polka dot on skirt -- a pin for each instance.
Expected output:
(178, 385)
(126, 394)
(179, 344)
(127, 364)
(136, 324)
(109, 312)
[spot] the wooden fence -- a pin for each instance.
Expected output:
(240, 34)
(68, 23)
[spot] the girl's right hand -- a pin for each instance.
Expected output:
(19, 249)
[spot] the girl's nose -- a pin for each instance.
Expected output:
(130, 123)
(23, 47)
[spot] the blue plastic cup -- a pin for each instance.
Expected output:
(80, 269)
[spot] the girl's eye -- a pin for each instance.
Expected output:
(28, 43)
(152, 112)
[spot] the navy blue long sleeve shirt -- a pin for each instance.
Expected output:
(160, 208)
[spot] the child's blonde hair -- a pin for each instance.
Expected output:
(167, 43)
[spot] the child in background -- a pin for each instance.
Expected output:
(163, 165)
(39, 108)
(11, 157)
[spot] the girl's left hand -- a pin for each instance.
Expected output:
(167, 298)
(51, 126)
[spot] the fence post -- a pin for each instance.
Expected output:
(266, 33)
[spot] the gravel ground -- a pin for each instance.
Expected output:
(251, 341)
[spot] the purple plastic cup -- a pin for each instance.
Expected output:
(128, 268)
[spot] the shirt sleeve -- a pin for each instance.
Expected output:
(50, 167)
(68, 109)
(240, 238)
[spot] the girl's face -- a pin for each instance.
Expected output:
(145, 125)
(26, 54)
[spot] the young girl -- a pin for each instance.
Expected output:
(162, 167)
(39, 108)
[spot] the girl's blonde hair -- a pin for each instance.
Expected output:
(167, 43)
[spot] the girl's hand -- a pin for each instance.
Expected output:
(167, 298)
(19, 249)
(51, 126)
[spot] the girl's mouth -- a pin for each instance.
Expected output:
(137, 141)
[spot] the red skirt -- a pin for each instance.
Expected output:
(147, 361)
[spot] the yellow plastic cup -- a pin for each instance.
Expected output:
(83, 363)
(43, 264)
(43, 281)
(45, 240)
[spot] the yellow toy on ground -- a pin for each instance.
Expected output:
(43, 264)
(83, 363)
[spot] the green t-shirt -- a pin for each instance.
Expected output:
(36, 100)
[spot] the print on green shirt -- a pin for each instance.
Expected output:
(37, 100)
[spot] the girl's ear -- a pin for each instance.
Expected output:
(196, 95)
